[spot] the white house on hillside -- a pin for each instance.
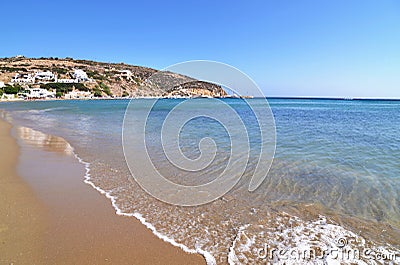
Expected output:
(80, 75)
(125, 73)
(76, 94)
(23, 78)
(67, 81)
(45, 76)
(39, 93)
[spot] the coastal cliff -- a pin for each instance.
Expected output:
(65, 76)
(197, 88)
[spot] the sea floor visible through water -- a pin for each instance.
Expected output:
(67, 221)
(330, 186)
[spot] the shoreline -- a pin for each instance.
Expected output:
(226, 97)
(80, 226)
(35, 143)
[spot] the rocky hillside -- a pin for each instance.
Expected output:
(108, 79)
(196, 88)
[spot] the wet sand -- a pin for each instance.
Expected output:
(75, 223)
(22, 215)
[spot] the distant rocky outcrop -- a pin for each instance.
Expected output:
(196, 88)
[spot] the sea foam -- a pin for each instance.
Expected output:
(87, 179)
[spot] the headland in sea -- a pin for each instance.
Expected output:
(65, 78)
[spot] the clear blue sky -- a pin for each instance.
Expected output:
(290, 48)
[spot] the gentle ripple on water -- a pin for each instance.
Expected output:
(334, 158)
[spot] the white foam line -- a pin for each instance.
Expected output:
(207, 255)
(232, 257)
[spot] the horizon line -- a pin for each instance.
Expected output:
(333, 98)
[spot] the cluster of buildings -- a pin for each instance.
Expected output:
(37, 93)
(43, 77)
(39, 77)
(41, 93)
(76, 94)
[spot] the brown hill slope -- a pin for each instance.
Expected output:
(112, 79)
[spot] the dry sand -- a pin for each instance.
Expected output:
(51, 217)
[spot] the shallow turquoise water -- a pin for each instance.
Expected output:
(343, 154)
(336, 158)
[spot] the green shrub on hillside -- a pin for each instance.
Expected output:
(100, 89)
(97, 92)
(60, 71)
(13, 69)
(15, 89)
(125, 94)
(94, 75)
(105, 89)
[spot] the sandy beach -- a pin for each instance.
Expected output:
(49, 216)
(22, 215)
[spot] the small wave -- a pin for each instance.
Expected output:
(232, 256)
(87, 179)
(295, 241)
(38, 111)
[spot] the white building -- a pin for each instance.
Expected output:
(125, 73)
(23, 78)
(76, 94)
(80, 75)
(67, 81)
(39, 93)
(45, 76)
